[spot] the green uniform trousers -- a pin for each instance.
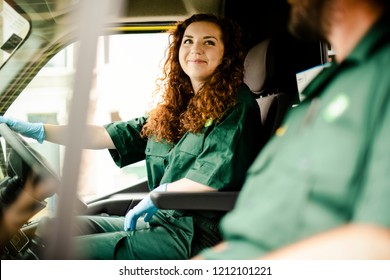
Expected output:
(168, 235)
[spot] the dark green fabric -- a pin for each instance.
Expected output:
(217, 157)
(168, 235)
(162, 238)
(328, 165)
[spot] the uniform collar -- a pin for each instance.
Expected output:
(377, 36)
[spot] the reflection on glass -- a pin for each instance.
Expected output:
(13, 30)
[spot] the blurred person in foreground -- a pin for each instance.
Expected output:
(320, 188)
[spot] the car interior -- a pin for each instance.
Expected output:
(273, 60)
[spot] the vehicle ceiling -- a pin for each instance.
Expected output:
(261, 18)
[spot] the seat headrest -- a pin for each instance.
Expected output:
(255, 67)
(271, 65)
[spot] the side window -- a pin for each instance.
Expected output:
(124, 79)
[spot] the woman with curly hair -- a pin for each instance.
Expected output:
(201, 136)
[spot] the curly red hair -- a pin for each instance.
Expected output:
(181, 111)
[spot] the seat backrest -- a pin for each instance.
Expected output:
(270, 72)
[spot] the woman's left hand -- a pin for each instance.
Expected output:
(146, 207)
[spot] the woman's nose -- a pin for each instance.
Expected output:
(196, 49)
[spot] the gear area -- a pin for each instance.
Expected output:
(27, 181)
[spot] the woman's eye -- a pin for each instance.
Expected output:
(210, 43)
(187, 41)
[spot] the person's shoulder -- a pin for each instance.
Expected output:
(246, 97)
(245, 94)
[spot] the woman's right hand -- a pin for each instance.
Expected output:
(27, 129)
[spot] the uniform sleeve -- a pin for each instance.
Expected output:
(373, 204)
(229, 148)
(130, 147)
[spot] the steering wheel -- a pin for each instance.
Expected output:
(23, 159)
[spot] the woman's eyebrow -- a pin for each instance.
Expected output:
(205, 37)
(210, 37)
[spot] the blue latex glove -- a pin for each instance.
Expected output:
(32, 130)
(146, 207)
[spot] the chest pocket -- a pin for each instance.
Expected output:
(158, 149)
(189, 149)
(156, 155)
(192, 143)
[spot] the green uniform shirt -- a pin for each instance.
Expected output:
(218, 157)
(329, 163)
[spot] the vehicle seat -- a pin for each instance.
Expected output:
(270, 72)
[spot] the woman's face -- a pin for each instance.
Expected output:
(201, 51)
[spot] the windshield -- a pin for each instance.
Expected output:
(125, 77)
